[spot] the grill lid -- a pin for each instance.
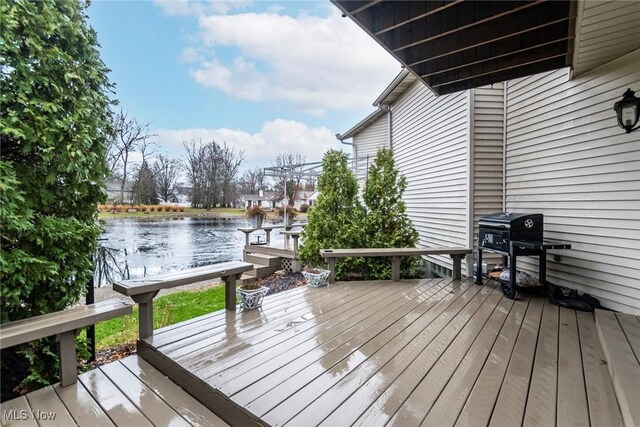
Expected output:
(503, 219)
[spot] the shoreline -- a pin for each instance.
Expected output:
(224, 213)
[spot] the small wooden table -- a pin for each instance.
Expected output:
(293, 234)
(248, 230)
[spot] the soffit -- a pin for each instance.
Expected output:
(454, 45)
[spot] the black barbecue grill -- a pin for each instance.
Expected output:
(511, 235)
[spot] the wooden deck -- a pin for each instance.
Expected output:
(129, 392)
(415, 352)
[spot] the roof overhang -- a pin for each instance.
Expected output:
(454, 45)
(361, 125)
(397, 87)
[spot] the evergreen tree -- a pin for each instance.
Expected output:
(145, 188)
(54, 93)
(335, 221)
(386, 224)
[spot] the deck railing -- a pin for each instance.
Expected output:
(144, 290)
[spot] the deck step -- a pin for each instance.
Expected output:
(620, 339)
(258, 272)
(263, 259)
(263, 271)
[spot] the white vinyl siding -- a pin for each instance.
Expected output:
(568, 159)
(430, 149)
(608, 30)
(367, 143)
(488, 147)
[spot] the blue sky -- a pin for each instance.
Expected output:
(265, 77)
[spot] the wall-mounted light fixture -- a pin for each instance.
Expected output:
(628, 111)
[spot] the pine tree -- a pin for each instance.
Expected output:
(336, 219)
(145, 188)
(54, 123)
(386, 224)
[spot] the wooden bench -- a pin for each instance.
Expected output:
(144, 290)
(396, 254)
(65, 325)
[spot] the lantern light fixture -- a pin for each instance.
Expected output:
(628, 111)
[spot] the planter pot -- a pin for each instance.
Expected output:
(250, 299)
(256, 221)
(316, 279)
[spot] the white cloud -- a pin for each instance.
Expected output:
(260, 149)
(190, 55)
(314, 63)
(189, 7)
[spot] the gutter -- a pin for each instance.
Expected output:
(387, 108)
(340, 138)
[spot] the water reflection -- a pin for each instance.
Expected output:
(133, 248)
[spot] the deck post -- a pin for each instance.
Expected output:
(331, 264)
(395, 268)
(268, 232)
(230, 291)
(457, 266)
(68, 361)
(145, 313)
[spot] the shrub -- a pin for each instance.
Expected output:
(143, 208)
(336, 219)
(174, 209)
(181, 209)
(53, 128)
(386, 224)
(152, 208)
(304, 208)
(167, 208)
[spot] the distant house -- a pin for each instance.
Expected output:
(266, 199)
(313, 198)
(302, 198)
(182, 196)
(546, 140)
(113, 187)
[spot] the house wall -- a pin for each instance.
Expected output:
(568, 159)
(608, 30)
(366, 145)
(487, 152)
(430, 149)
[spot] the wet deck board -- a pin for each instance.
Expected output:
(415, 352)
(122, 393)
(618, 339)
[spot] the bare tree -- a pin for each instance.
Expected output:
(128, 136)
(230, 165)
(166, 172)
(252, 181)
(212, 170)
(194, 169)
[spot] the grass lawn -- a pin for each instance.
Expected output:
(167, 310)
(187, 212)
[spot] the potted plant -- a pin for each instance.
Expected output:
(251, 295)
(256, 214)
(316, 277)
(291, 213)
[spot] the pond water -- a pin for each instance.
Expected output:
(132, 248)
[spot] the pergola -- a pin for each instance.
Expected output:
(293, 171)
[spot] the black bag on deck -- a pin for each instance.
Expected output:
(571, 298)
